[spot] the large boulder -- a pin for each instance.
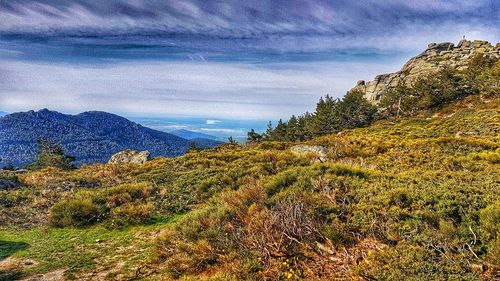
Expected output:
(319, 151)
(130, 156)
(446, 46)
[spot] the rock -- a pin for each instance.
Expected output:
(319, 151)
(477, 43)
(462, 134)
(464, 43)
(434, 58)
(440, 46)
(20, 171)
(324, 248)
(130, 156)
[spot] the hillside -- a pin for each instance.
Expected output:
(405, 188)
(415, 197)
(89, 136)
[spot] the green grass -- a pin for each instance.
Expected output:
(81, 249)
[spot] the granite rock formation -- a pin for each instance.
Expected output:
(129, 156)
(435, 57)
(318, 151)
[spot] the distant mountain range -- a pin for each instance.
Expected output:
(90, 136)
(190, 135)
(3, 113)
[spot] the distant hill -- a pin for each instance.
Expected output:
(3, 113)
(190, 135)
(90, 136)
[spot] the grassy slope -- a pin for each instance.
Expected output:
(422, 179)
(94, 252)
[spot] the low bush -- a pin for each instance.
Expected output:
(77, 212)
(130, 214)
(117, 206)
(490, 221)
(248, 226)
(415, 263)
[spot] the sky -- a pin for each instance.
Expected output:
(236, 62)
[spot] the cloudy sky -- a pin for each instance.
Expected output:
(234, 60)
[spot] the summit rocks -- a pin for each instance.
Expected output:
(434, 58)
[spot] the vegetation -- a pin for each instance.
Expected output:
(331, 115)
(416, 196)
(91, 137)
(121, 205)
(429, 92)
(436, 89)
(51, 154)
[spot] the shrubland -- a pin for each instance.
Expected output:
(413, 196)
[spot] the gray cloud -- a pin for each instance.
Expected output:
(326, 22)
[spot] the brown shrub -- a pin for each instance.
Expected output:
(129, 214)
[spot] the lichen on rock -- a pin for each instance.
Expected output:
(319, 151)
(130, 156)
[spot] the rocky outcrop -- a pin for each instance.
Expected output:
(129, 156)
(303, 150)
(435, 57)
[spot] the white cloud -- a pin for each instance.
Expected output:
(212, 122)
(225, 131)
(221, 90)
(166, 128)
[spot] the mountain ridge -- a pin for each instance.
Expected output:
(91, 136)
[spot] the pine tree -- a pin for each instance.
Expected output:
(327, 116)
(279, 132)
(253, 137)
(292, 129)
(490, 80)
(473, 75)
(51, 154)
(397, 101)
(192, 146)
(269, 131)
(356, 111)
(437, 89)
(302, 133)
